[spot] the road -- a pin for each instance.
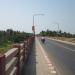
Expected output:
(62, 56)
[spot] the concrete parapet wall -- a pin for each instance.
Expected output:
(11, 62)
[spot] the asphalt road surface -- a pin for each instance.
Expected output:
(62, 55)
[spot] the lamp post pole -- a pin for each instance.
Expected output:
(57, 28)
(33, 27)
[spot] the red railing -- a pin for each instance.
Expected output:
(11, 63)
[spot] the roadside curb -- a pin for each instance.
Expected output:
(66, 42)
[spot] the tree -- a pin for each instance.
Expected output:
(54, 34)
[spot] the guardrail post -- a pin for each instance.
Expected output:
(28, 47)
(2, 64)
(18, 56)
(24, 51)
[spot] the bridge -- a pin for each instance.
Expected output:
(12, 62)
(27, 58)
(32, 57)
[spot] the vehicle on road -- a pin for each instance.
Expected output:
(43, 39)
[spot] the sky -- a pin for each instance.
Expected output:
(18, 15)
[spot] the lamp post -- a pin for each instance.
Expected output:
(57, 27)
(33, 27)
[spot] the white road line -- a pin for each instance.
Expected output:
(64, 47)
(69, 49)
(54, 72)
(49, 65)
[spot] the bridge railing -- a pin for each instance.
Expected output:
(11, 63)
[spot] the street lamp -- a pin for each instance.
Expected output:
(33, 27)
(57, 27)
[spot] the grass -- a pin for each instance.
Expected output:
(4, 47)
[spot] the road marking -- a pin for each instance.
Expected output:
(49, 64)
(54, 72)
(64, 46)
(68, 48)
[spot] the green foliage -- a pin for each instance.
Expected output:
(5, 46)
(9, 37)
(55, 33)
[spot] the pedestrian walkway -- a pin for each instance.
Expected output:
(36, 64)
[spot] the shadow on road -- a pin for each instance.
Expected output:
(30, 66)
